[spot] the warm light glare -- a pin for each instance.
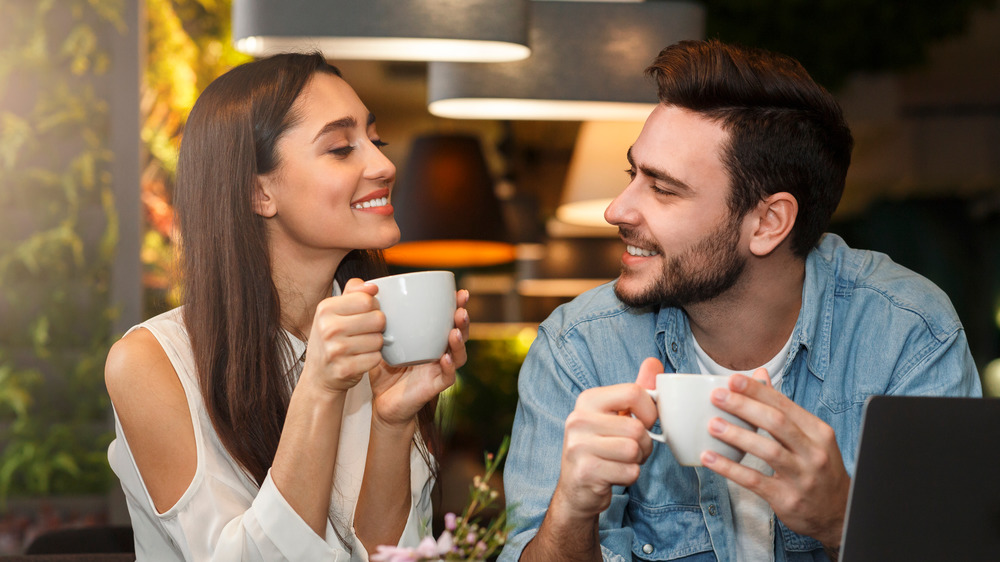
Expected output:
(388, 48)
(450, 253)
(991, 379)
(584, 213)
(556, 287)
(541, 110)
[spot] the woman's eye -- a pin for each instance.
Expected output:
(342, 151)
(379, 143)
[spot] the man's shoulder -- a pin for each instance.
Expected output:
(866, 276)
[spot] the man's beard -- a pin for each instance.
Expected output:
(701, 273)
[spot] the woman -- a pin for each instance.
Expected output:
(258, 421)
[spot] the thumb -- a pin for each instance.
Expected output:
(762, 376)
(650, 367)
(355, 285)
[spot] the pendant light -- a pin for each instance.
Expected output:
(587, 63)
(446, 207)
(404, 30)
(596, 172)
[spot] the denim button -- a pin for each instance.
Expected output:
(673, 346)
(711, 510)
(647, 548)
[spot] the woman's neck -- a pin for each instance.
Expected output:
(301, 285)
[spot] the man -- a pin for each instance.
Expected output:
(734, 178)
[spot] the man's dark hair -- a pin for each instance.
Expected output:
(786, 132)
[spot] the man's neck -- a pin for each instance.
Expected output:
(748, 325)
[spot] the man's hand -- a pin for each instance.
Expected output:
(808, 490)
(603, 446)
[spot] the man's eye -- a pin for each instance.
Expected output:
(630, 172)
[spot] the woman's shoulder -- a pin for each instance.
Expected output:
(152, 408)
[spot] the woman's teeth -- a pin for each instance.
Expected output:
(380, 202)
(632, 250)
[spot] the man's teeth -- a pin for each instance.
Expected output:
(380, 202)
(632, 250)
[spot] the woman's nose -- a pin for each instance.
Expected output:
(379, 167)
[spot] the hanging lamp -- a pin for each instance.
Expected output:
(596, 172)
(587, 63)
(403, 30)
(446, 208)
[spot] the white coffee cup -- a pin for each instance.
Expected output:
(419, 313)
(683, 402)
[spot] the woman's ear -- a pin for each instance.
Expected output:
(775, 219)
(263, 201)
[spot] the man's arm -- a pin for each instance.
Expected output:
(601, 448)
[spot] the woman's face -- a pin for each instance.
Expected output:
(330, 190)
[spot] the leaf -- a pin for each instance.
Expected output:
(15, 132)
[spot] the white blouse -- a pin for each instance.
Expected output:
(223, 516)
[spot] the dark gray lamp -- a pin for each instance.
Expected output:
(587, 62)
(415, 30)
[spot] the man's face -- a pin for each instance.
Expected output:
(682, 242)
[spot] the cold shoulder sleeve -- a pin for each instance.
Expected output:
(224, 516)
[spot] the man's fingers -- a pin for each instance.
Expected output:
(650, 367)
(619, 398)
(781, 410)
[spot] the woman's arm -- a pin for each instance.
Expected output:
(153, 411)
(156, 420)
(399, 394)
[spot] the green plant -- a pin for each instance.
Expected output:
(58, 233)
(189, 44)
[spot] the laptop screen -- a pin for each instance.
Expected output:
(927, 481)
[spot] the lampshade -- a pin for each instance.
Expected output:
(446, 207)
(596, 171)
(451, 30)
(587, 62)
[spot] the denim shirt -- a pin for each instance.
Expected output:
(867, 326)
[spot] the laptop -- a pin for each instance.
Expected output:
(927, 481)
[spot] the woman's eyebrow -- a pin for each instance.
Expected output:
(342, 123)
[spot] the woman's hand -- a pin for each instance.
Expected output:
(346, 338)
(399, 393)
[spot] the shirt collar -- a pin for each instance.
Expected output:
(812, 329)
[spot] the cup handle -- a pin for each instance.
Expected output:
(655, 436)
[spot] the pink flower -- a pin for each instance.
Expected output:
(450, 522)
(445, 543)
(394, 554)
(427, 548)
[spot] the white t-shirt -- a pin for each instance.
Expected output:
(223, 516)
(752, 516)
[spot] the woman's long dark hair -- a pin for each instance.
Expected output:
(231, 306)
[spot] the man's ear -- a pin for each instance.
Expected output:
(775, 217)
(263, 201)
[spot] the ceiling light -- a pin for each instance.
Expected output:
(587, 63)
(406, 30)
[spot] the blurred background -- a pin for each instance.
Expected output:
(505, 164)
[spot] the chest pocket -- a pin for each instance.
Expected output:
(663, 511)
(669, 533)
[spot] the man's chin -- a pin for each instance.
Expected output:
(630, 292)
